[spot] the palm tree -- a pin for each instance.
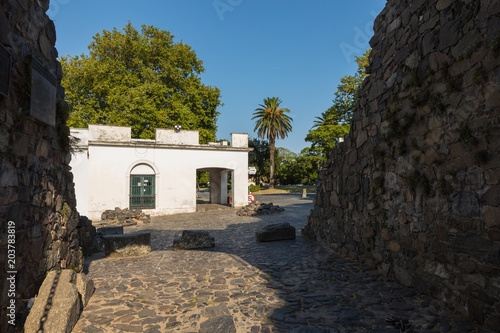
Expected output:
(273, 123)
(324, 120)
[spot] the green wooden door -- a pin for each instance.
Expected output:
(142, 191)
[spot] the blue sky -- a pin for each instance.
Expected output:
(251, 49)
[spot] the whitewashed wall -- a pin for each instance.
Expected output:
(102, 171)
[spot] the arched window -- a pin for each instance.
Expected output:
(142, 187)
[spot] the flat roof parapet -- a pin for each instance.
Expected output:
(181, 137)
(122, 134)
(109, 133)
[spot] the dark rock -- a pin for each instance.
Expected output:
(111, 230)
(275, 232)
(134, 244)
(124, 217)
(448, 34)
(492, 196)
(215, 311)
(259, 208)
(477, 246)
(218, 324)
(194, 239)
(476, 310)
(310, 330)
(465, 203)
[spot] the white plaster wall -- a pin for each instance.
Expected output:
(108, 155)
(110, 166)
(109, 133)
(239, 139)
(80, 169)
(172, 137)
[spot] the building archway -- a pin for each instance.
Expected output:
(219, 189)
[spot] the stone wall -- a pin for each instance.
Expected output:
(36, 186)
(414, 189)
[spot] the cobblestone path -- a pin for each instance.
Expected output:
(245, 286)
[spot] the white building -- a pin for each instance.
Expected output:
(158, 176)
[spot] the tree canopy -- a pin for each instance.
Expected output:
(334, 122)
(272, 122)
(140, 79)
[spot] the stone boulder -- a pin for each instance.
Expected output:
(259, 208)
(59, 302)
(127, 245)
(275, 232)
(194, 239)
(123, 217)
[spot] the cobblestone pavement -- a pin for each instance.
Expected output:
(245, 286)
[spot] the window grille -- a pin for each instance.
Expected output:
(142, 191)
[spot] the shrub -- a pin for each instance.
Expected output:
(254, 188)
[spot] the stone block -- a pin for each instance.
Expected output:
(194, 239)
(57, 307)
(85, 287)
(477, 246)
(275, 232)
(107, 231)
(492, 216)
(465, 203)
(127, 245)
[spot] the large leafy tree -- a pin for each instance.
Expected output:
(300, 168)
(334, 122)
(272, 122)
(140, 79)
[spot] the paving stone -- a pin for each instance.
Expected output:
(218, 325)
(310, 330)
(248, 286)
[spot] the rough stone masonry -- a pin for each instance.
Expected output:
(414, 190)
(36, 185)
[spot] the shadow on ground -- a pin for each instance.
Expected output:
(285, 286)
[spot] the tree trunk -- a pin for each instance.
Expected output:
(272, 143)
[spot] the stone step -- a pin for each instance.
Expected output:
(127, 245)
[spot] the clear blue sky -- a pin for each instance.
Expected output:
(251, 49)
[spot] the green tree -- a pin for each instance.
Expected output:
(334, 122)
(272, 122)
(300, 168)
(140, 79)
(284, 159)
(259, 158)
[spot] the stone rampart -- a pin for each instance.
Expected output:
(414, 189)
(36, 185)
